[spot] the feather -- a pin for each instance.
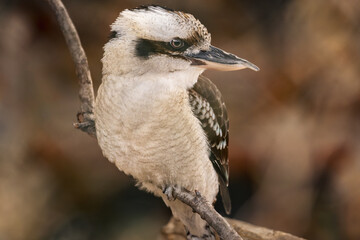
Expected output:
(209, 107)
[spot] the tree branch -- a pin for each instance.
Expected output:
(86, 115)
(207, 212)
(175, 230)
(86, 123)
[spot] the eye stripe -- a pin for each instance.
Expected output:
(145, 48)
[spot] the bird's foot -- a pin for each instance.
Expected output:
(168, 191)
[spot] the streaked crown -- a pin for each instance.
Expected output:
(161, 24)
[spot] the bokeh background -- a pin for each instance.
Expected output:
(295, 130)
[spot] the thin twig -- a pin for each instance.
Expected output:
(200, 205)
(85, 116)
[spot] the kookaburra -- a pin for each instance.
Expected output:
(156, 118)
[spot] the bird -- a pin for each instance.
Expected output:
(157, 118)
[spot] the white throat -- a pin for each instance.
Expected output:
(156, 83)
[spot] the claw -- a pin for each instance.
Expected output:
(168, 191)
(197, 193)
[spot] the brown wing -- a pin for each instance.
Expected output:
(209, 107)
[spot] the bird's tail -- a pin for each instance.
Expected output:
(225, 196)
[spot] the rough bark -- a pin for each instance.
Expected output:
(207, 212)
(174, 230)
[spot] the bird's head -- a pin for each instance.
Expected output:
(159, 40)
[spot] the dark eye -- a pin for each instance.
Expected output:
(177, 43)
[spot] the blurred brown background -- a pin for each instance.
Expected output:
(295, 132)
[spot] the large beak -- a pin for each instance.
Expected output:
(218, 59)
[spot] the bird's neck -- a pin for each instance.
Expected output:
(159, 84)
